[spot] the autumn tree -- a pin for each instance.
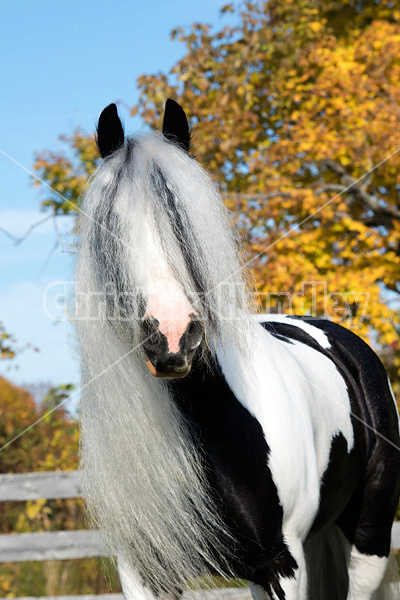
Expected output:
(42, 438)
(295, 110)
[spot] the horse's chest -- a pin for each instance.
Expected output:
(236, 454)
(240, 463)
(301, 401)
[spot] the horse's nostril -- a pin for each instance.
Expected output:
(182, 367)
(172, 363)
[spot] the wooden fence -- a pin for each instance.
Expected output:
(62, 545)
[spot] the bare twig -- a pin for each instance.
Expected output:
(32, 227)
(358, 190)
(18, 240)
(265, 196)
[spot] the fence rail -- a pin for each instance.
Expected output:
(34, 486)
(226, 594)
(63, 545)
(52, 545)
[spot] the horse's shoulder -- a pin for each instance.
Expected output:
(320, 333)
(290, 328)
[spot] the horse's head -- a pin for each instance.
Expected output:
(171, 329)
(170, 346)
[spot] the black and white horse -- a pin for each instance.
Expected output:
(214, 441)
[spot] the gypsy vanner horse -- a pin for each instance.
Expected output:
(215, 441)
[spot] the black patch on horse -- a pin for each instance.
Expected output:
(235, 458)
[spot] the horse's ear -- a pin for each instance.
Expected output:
(175, 126)
(110, 133)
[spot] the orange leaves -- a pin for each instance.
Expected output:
(28, 453)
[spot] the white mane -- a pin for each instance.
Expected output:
(143, 481)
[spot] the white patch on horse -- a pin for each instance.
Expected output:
(365, 574)
(165, 299)
(131, 582)
(257, 592)
(299, 414)
(295, 587)
(316, 333)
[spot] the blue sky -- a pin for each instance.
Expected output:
(61, 64)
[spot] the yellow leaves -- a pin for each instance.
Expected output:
(6, 344)
(304, 146)
(391, 336)
(255, 77)
(34, 508)
(315, 26)
(5, 585)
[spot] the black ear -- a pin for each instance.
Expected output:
(110, 134)
(175, 125)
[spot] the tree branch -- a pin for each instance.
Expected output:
(18, 240)
(266, 196)
(358, 190)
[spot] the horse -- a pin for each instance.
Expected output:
(216, 441)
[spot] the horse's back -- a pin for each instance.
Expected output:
(368, 385)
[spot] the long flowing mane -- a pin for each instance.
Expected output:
(151, 211)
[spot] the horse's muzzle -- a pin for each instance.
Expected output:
(175, 372)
